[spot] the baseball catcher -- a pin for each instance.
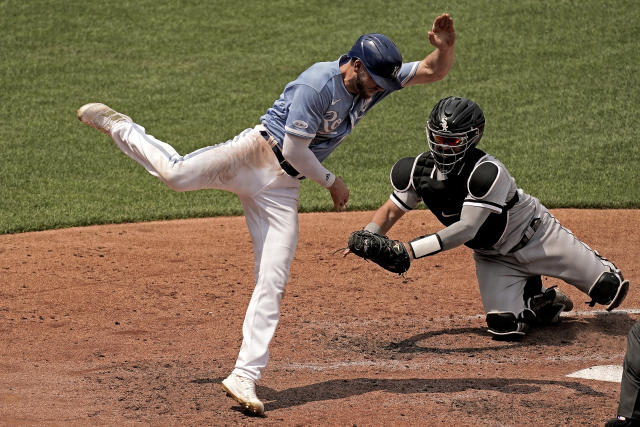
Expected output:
(388, 254)
(515, 238)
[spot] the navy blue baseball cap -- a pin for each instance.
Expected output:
(381, 58)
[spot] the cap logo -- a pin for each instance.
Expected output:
(395, 72)
(443, 123)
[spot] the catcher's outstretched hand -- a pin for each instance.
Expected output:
(442, 35)
(389, 254)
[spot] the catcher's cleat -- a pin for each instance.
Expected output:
(563, 299)
(243, 391)
(505, 326)
(548, 305)
(562, 302)
(101, 117)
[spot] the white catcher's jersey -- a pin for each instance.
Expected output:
(482, 182)
(520, 239)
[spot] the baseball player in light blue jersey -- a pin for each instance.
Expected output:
(263, 166)
(515, 238)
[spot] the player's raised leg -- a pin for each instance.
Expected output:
(242, 165)
(101, 117)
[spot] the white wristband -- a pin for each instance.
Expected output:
(329, 179)
(425, 245)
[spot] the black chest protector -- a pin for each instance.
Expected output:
(445, 198)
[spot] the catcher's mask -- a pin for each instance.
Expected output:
(455, 125)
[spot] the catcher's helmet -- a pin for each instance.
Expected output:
(381, 58)
(455, 125)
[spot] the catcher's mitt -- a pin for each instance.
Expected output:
(388, 254)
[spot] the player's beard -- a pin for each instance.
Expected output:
(361, 89)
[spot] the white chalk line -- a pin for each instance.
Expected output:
(403, 365)
(579, 313)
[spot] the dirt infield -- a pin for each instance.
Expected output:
(139, 323)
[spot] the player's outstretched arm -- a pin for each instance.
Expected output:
(456, 234)
(438, 63)
(385, 217)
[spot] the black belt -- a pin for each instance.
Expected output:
(286, 166)
(528, 234)
(511, 203)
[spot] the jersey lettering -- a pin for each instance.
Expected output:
(330, 122)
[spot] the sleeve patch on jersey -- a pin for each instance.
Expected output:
(482, 179)
(300, 124)
(401, 174)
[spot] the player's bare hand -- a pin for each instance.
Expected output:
(442, 35)
(339, 194)
(346, 252)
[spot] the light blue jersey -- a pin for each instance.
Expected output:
(317, 105)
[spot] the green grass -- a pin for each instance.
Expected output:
(558, 82)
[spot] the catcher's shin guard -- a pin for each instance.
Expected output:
(506, 326)
(610, 289)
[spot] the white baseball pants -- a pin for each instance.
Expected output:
(246, 166)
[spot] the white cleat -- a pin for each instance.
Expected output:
(243, 390)
(101, 117)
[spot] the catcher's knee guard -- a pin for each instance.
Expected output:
(505, 325)
(610, 289)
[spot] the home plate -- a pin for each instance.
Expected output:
(612, 373)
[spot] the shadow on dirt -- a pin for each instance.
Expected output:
(340, 389)
(572, 329)
(568, 331)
